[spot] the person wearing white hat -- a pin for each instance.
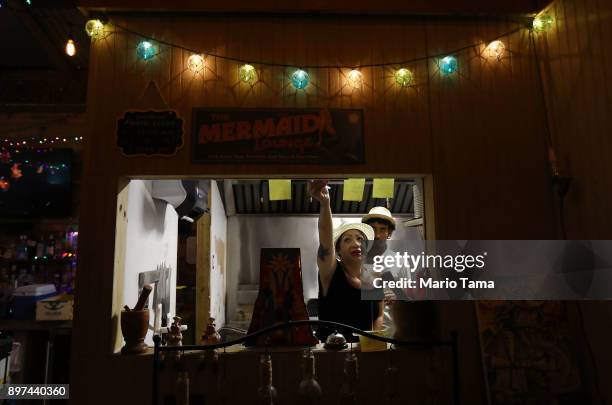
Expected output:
(340, 259)
(383, 223)
(380, 219)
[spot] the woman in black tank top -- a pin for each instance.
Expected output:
(340, 260)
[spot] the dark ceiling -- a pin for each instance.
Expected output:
(252, 197)
(35, 72)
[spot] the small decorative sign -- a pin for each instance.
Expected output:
(290, 136)
(150, 133)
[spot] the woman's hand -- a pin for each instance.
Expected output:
(318, 190)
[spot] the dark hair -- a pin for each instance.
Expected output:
(365, 238)
(381, 221)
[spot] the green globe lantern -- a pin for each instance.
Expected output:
(247, 73)
(403, 77)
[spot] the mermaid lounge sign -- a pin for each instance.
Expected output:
(289, 136)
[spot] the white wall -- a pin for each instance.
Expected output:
(248, 234)
(152, 237)
(218, 255)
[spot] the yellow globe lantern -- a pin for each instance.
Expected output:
(94, 28)
(354, 78)
(247, 73)
(195, 63)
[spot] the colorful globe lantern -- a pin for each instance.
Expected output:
(542, 22)
(354, 78)
(495, 50)
(247, 73)
(403, 77)
(448, 65)
(94, 28)
(299, 79)
(195, 63)
(146, 50)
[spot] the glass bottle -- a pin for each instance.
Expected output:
(266, 394)
(309, 390)
(348, 392)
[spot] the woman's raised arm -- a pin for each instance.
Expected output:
(326, 254)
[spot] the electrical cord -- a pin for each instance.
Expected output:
(291, 324)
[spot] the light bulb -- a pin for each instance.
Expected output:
(247, 73)
(448, 65)
(354, 78)
(403, 77)
(299, 79)
(70, 48)
(495, 50)
(542, 22)
(94, 28)
(195, 63)
(145, 50)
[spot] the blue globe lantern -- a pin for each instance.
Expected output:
(448, 65)
(299, 79)
(146, 50)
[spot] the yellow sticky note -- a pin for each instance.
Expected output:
(353, 189)
(383, 188)
(280, 189)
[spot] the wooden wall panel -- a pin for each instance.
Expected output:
(284, 42)
(489, 150)
(480, 133)
(576, 62)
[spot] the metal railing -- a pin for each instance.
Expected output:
(425, 343)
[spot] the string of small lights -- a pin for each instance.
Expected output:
(34, 142)
(34, 135)
(148, 49)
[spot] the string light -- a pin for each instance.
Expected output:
(94, 28)
(542, 22)
(448, 65)
(35, 142)
(495, 50)
(195, 63)
(354, 78)
(403, 77)
(247, 73)
(70, 47)
(299, 79)
(145, 50)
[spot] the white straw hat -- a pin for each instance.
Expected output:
(379, 213)
(366, 229)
